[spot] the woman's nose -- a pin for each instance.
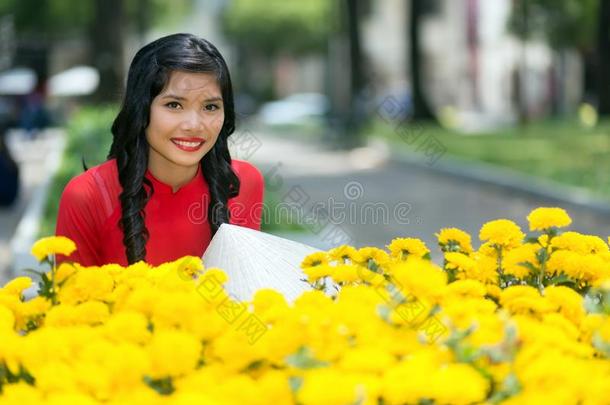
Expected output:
(193, 121)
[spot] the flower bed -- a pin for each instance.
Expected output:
(519, 320)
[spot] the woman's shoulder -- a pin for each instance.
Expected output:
(246, 171)
(97, 182)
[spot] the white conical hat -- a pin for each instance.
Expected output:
(255, 260)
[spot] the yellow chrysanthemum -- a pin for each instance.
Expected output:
(454, 237)
(173, 353)
(345, 273)
(7, 320)
(315, 259)
(517, 261)
(502, 232)
(458, 384)
(544, 218)
(400, 248)
(343, 253)
(317, 272)
(379, 256)
(17, 285)
(466, 288)
(459, 261)
(52, 245)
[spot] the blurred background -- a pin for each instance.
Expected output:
(370, 119)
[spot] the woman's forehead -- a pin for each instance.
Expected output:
(190, 84)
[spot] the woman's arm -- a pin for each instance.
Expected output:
(79, 218)
(246, 209)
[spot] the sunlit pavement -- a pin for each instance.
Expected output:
(409, 200)
(18, 223)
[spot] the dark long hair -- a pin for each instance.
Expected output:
(148, 74)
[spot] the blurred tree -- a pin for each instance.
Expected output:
(582, 25)
(356, 116)
(265, 30)
(417, 11)
(104, 23)
(603, 54)
(106, 36)
(278, 25)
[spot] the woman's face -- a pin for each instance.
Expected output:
(185, 120)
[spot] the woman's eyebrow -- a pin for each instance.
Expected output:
(173, 96)
(177, 97)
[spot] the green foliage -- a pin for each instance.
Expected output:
(560, 150)
(280, 26)
(57, 19)
(564, 23)
(89, 138)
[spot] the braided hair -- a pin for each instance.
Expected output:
(148, 74)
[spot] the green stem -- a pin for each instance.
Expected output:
(499, 264)
(53, 286)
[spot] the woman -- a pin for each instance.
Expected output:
(169, 181)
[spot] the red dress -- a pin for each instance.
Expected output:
(90, 210)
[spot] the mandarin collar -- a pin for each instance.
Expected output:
(164, 188)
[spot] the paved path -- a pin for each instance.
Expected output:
(419, 201)
(36, 160)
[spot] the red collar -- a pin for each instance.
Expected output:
(164, 188)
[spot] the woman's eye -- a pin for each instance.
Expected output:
(211, 107)
(172, 105)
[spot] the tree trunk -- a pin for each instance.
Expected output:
(355, 117)
(107, 49)
(603, 58)
(421, 107)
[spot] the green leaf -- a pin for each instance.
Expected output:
(163, 386)
(304, 359)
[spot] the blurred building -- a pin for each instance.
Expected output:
(472, 62)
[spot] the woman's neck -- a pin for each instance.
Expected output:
(172, 174)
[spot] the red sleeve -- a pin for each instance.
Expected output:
(247, 207)
(79, 218)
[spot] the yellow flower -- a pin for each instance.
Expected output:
(450, 238)
(52, 245)
(567, 301)
(493, 290)
(346, 273)
(543, 240)
(459, 261)
(89, 283)
(544, 218)
(17, 285)
(127, 326)
(465, 288)
(379, 256)
(269, 305)
(173, 353)
(400, 248)
(458, 384)
(344, 252)
(314, 273)
(7, 320)
(516, 260)
(502, 232)
(314, 259)
(419, 277)
(328, 387)
(367, 359)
